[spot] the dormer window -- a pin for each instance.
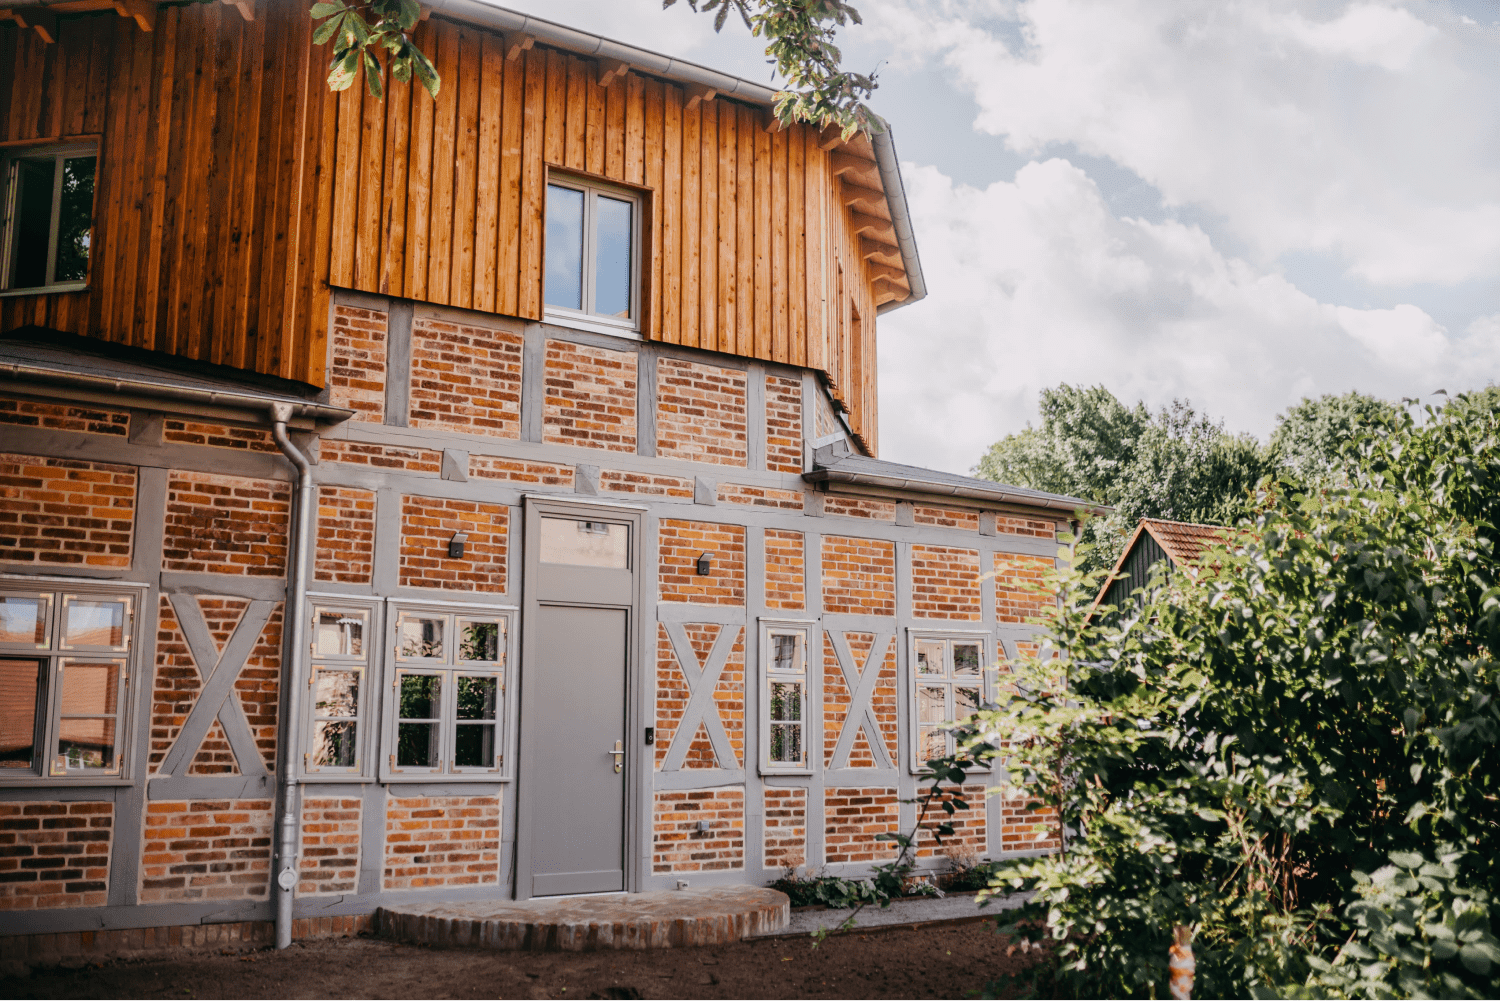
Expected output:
(592, 274)
(49, 217)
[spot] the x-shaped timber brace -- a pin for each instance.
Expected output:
(860, 680)
(216, 696)
(702, 678)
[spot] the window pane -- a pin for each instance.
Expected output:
(966, 658)
(19, 680)
(334, 743)
(612, 235)
(90, 689)
(336, 693)
(474, 746)
(786, 701)
(479, 640)
(86, 744)
(965, 702)
(564, 279)
(417, 745)
(422, 637)
(585, 543)
(421, 696)
(931, 744)
(477, 697)
(932, 706)
(339, 633)
(929, 656)
(786, 743)
(99, 622)
(75, 219)
(24, 620)
(784, 653)
(34, 181)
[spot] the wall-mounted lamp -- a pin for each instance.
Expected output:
(456, 545)
(705, 565)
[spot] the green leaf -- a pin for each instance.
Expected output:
(328, 8)
(327, 30)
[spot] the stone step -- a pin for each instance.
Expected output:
(658, 920)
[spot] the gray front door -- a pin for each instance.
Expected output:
(575, 679)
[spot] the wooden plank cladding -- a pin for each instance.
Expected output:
(234, 191)
(206, 241)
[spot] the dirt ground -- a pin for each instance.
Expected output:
(941, 961)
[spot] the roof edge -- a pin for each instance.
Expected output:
(906, 239)
(998, 494)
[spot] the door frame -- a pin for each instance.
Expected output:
(638, 761)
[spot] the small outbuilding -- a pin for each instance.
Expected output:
(1178, 542)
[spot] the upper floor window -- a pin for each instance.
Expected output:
(49, 214)
(64, 671)
(592, 268)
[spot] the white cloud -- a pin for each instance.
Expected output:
(1034, 282)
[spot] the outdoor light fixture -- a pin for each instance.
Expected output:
(456, 545)
(705, 565)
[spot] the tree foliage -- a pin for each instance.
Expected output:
(1295, 752)
(362, 28)
(799, 38)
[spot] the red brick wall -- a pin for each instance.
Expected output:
(785, 827)
(63, 417)
(226, 524)
(329, 862)
(679, 847)
(54, 855)
(852, 817)
(465, 378)
(945, 583)
(700, 412)
(620, 481)
(859, 575)
(346, 535)
(590, 397)
(166, 941)
(859, 507)
(970, 834)
(442, 841)
(783, 424)
(428, 525)
(681, 543)
(944, 517)
(206, 850)
(1013, 573)
(358, 453)
(544, 474)
(1027, 826)
(63, 511)
(245, 439)
(356, 372)
(672, 696)
(741, 493)
(837, 698)
(1025, 526)
(786, 573)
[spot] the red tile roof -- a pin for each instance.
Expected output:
(1184, 541)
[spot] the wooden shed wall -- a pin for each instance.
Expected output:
(206, 243)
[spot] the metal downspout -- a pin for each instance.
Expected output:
(286, 877)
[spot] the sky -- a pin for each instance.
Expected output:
(1240, 203)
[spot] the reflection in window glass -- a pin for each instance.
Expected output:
(612, 234)
(930, 656)
(786, 722)
(585, 543)
(965, 658)
(784, 652)
(474, 741)
(965, 703)
(417, 732)
(339, 633)
(75, 220)
(422, 637)
(564, 279)
(19, 683)
(90, 699)
(334, 744)
(96, 622)
(24, 619)
(90, 689)
(86, 744)
(336, 693)
(479, 640)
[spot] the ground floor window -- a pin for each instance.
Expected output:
(784, 696)
(65, 660)
(947, 687)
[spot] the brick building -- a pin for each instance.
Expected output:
(593, 579)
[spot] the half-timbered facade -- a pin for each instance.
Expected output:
(438, 499)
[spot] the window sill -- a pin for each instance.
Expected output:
(34, 781)
(598, 325)
(768, 773)
(438, 778)
(45, 289)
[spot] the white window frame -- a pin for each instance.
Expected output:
(586, 318)
(367, 722)
(767, 675)
(9, 168)
(986, 643)
(45, 769)
(450, 668)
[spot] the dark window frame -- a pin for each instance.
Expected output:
(11, 159)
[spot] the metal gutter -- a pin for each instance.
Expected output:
(906, 239)
(117, 385)
(997, 494)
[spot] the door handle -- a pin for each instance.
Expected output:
(619, 753)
